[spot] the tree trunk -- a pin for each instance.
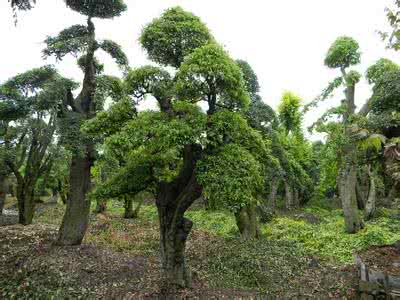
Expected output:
(361, 196)
(76, 217)
(247, 222)
(296, 198)
(173, 235)
(128, 205)
(101, 206)
(26, 203)
(172, 200)
(272, 195)
(370, 205)
(3, 192)
(347, 192)
(54, 196)
(288, 196)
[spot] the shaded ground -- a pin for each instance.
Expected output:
(119, 260)
(384, 259)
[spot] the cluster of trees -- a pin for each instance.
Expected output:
(212, 136)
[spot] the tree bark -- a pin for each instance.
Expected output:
(129, 213)
(272, 195)
(54, 196)
(347, 192)
(76, 217)
(3, 193)
(370, 206)
(26, 203)
(172, 200)
(288, 196)
(247, 222)
(101, 206)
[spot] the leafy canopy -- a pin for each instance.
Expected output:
(289, 112)
(176, 34)
(104, 9)
(209, 71)
(343, 53)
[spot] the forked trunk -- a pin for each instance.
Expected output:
(3, 193)
(76, 217)
(247, 222)
(347, 192)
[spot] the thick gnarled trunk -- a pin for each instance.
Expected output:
(247, 222)
(76, 217)
(347, 192)
(174, 232)
(172, 200)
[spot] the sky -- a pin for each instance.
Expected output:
(284, 41)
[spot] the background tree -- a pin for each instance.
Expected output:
(30, 101)
(76, 40)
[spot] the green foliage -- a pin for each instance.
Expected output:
(386, 93)
(393, 38)
(72, 40)
(289, 112)
(343, 53)
(378, 70)
(108, 87)
(352, 78)
(231, 178)
(173, 36)
(99, 67)
(115, 51)
(149, 80)
(103, 9)
(210, 71)
(328, 239)
(110, 122)
(250, 77)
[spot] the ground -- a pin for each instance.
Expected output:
(119, 258)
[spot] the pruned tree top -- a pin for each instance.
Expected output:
(104, 9)
(343, 53)
(176, 34)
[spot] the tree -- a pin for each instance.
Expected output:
(177, 152)
(261, 117)
(29, 110)
(95, 89)
(343, 54)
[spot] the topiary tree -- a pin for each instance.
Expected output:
(81, 40)
(178, 152)
(343, 54)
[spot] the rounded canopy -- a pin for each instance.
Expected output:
(103, 9)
